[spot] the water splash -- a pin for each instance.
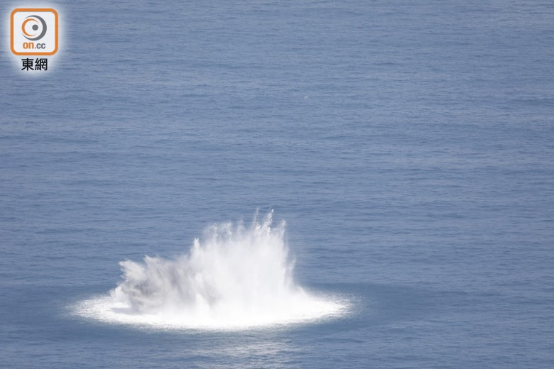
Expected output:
(236, 277)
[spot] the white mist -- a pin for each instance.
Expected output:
(236, 277)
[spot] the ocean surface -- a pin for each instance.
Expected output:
(408, 145)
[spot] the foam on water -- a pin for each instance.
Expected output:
(236, 277)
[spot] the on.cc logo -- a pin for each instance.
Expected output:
(34, 28)
(34, 31)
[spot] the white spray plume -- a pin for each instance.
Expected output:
(236, 277)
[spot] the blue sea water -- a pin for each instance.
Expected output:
(409, 146)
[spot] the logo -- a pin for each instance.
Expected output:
(34, 31)
(37, 27)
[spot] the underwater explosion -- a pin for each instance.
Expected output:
(236, 277)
